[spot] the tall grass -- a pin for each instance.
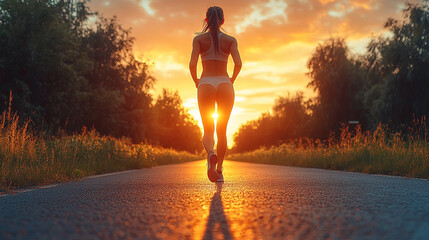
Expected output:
(381, 152)
(28, 159)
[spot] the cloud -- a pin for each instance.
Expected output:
(145, 4)
(168, 65)
(273, 10)
(358, 46)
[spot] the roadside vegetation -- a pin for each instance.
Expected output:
(378, 152)
(388, 84)
(28, 159)
(369, 113)
(69, 68)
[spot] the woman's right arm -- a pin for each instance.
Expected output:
(194, 60)
(237, 60)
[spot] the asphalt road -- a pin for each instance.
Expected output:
(255, 202)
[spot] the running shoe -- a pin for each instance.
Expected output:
(211, 167)
(220, 177)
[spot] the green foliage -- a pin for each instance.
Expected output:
(336, 79)
(38, 52)
(402, 61)
(389, 84)
(175, 127)
(381, 151)
(27, 159)
(68, 67)
(286, 122)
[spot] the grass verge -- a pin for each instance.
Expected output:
(377, 152)
(27, 159)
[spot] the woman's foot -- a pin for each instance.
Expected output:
(211, 167)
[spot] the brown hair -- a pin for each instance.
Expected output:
(214, 18)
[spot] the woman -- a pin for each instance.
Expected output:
(215, 85)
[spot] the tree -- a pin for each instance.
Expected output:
(174, 126)
(69, 74)
(388, 84)
(337, 80)
(285, 123)
(402, 59)
(38, 58)
(119, 101)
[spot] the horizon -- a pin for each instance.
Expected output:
(283, 28)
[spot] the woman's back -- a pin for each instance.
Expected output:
(224, 42)
(215, 67)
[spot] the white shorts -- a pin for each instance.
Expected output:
(215, 81)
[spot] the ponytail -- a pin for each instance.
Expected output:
(214, 18)
(214, 30)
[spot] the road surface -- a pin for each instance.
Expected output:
(255, 202)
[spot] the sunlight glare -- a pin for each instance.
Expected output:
(215, 116)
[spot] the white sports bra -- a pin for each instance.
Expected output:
(211, 54)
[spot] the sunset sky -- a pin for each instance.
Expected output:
(275, 40)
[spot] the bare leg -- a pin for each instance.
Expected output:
(225, 101)
(206, 104)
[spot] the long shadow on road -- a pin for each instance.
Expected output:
(217, 219)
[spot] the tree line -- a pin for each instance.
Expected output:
(68, 67)
(388, 84)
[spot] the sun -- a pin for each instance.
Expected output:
(215, 115)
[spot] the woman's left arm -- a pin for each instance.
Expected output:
(194, 60)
